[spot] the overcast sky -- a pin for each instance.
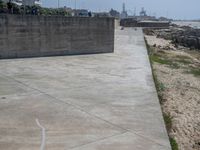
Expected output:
(177, 9)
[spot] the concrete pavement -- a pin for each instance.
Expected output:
(87, 102)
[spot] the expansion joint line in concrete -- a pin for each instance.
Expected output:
(125, 130)
(149, 139)
(98, 140)
(56, 100)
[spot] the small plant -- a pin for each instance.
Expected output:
(174, 144)
(184, 61)
(168, 124)
(174, 66)
(168, 121)
(161, 87)
(194, 71)
(183, 57)
(164, 61)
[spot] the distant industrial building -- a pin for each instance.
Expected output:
(124, 13)
(143, 20)
(143, 12)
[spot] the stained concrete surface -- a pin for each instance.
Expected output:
(87, 102)
(24, 36)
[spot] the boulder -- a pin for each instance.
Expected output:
(180, 39)
(192, 42)
(185, 36)
(198, 39)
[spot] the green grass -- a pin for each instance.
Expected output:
(194, 71)
(155, 58)
(184, 61)
(160, 88)
(159, 60)
(175, 66)
(168, 124)
(183, 57)
(168, 121)
(174, 144)
(164, 61)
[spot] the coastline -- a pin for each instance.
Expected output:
(193, 24)
(177, 71)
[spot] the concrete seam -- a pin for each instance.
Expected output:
(134, 132)
(74, 106)
(78, 107)
(101, 139)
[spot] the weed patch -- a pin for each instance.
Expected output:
(159, 60)
(174, 144)
(161, 87)
(194, 71)
(164, 61)
(168, 121)
(183, 61)
(182, 57)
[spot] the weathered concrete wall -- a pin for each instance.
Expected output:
(130, 22)
(153, 24)
(31, 36)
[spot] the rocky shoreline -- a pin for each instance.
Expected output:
(176, 69)
(179, 35)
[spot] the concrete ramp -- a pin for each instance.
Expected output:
(88, 102)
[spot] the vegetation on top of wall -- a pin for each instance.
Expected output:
(3, 7)
(31, 10)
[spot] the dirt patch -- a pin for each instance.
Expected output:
(178, 71)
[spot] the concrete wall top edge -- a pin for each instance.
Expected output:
(54, 16)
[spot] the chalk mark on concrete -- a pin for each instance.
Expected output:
(42, 147)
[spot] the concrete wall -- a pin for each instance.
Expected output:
(31, 36)
(130, 22)
(154, 24)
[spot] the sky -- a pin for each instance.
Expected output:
(175, 9)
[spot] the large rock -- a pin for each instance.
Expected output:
(179, 39)
(185, 36)
(192, 42)
(198, 42)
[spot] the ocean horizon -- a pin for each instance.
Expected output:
(193, 24)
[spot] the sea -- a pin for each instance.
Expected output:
(193, 24)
